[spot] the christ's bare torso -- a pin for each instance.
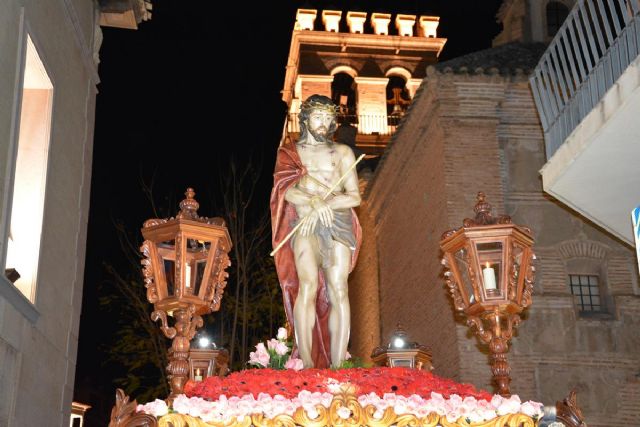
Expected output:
(323, 163)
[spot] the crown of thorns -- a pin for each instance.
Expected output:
(312, 104)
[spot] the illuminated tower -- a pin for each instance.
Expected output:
(358, 61)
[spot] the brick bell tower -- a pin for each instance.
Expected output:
(370, 65)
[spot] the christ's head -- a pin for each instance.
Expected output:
(318, 118)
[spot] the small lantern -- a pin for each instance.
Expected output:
(207, 362)
(489, 272)
(400, 352)
(184, 273)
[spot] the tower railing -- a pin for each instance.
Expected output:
(594, 46)
(382, 125)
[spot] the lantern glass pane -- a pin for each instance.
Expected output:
(196, 262)
(401, 363)
(463, 265)
(170, 275)
(490, 259)
(167, 251)
(516, 265)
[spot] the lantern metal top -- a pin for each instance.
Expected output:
(484, 220)
(188, 211)
(185, 259)
(400, 333)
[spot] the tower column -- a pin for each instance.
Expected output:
(372, 104)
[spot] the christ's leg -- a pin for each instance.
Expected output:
(305, 251)
(340, 314)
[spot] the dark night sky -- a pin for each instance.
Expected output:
(180, 96)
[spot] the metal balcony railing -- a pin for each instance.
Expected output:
(382, 125)
(594, 46)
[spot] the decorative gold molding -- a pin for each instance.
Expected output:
(328, 419)
(360, 416)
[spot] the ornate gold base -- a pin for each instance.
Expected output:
(329, 420)
(327, 417)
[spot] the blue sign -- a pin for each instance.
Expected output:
(635, 218)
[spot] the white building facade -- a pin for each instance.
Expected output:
(48, 78)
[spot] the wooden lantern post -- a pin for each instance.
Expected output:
(184, 265)
(489, 272)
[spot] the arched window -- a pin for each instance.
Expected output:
(398, 98)
(343, 93)
(557, 12)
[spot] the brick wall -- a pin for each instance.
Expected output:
(364, 291)
(470, 132)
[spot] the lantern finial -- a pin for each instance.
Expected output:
(482, 210)
(189, 206)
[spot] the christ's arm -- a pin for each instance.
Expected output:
(350, 197)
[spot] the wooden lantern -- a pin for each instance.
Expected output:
(489, 272)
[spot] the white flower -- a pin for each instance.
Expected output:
(347, 355)
(344, 412)
(333, 385)
(157, 408)
(282, 334)
(181, 404)
(532, 409)
(311, 411)
(509, 406)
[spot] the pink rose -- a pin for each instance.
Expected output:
(281, 348)
(293, 363)
(260, 356)
(271, 344)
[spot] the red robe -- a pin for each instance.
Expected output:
(288, 171)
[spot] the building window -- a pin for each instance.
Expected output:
(556, 14)
(586, 290)
(29, 182)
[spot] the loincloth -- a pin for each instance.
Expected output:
(341, 231)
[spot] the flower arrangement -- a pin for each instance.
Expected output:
(472, 406)
(288, 383)
(276, 354)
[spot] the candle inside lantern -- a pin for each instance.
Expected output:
(489, 276)
(198, 375)
(188, 276)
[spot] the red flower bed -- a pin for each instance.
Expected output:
(288, 383)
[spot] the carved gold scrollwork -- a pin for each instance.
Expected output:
(528, 282)
(513, 274)
(485, 335)
(511, 420)
(221, 262)
(124, 413)
(452, 285)
(327, 418)
(154, 221)
(178, 285)
(147, 272)
(512, 322)
(169, 332)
